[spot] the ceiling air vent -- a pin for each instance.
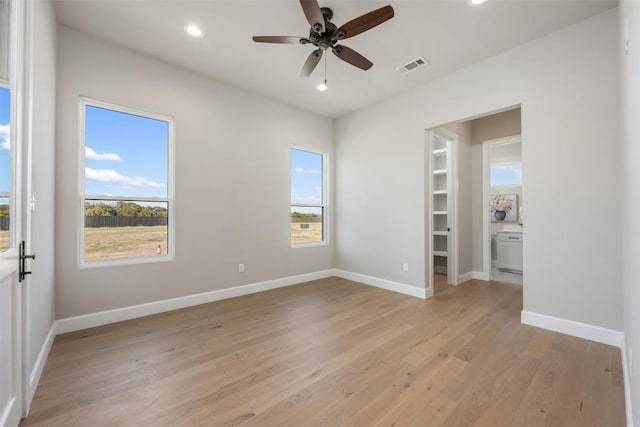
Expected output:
(413, 65)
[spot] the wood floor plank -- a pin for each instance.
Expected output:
(329, 353)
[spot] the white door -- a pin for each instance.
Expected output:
(10, 211)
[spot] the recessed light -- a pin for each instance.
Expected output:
(193, 30)
(476, 2)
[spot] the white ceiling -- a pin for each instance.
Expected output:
(449, 33)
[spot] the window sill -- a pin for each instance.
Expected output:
(308, 245)
(125, 261)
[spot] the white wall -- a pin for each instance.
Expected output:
(4, 35)
(567, 85)
(39, 289)
(232, 179)
(630, 158)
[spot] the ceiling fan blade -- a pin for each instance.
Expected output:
(311, 63)
(314, 15)
(352, 57)
(278, 39)
(364, 23)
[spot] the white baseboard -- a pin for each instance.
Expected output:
(570, 327)
(38, 367)
(465, 277)
(382, 283)
(480, 275)
(77, 323)
(627, 382)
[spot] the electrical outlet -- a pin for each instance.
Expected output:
(405, 266)
(240, 268)
(630, 362)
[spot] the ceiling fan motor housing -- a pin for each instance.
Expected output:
(326, 39)
(327, 13)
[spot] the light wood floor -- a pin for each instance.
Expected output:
(333, 353)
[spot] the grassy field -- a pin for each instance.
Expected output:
(306, 235)
(123, 242)
(107, 243)
(4, 240)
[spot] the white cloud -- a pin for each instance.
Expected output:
(305, 200)
(307, 171)
(515, 170)
(109, 175)
(318, 189)
(90, 154)
(4, 137)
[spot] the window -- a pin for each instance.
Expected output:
(307, 197)
(127, 196)
(5, 166)
(504, 174)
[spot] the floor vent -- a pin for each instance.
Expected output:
(413, 65)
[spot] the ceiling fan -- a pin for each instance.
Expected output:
(324, 35)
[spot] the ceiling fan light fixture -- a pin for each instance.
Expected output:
(476, 2)
(193, 30)
(322, 86)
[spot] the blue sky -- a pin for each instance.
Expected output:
(125, 155)
(5, 155)
(306, 179)
(506, 174)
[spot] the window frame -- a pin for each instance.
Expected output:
(85, 102)
(323, 205)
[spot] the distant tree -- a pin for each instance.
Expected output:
(128, 209)
(99, 209)
(122, 209)
(303, 215)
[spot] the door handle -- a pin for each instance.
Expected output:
(22, 262)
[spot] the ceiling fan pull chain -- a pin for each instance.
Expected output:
(325, 70)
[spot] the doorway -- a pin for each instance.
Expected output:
(456, 225)
(503, 209)
(442, 186)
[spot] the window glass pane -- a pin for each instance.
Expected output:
(306, 224)
(506, 174)
(306, 178)
(4, 223)
(126, 164)
(5, 167)
(119, 229)
(125, 155)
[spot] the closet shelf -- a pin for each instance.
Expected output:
(440, 152)
(440, 172)
(436, 192)
(439, 212)
(440, 233)
(440, 253)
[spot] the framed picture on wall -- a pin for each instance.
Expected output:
(504, 207)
